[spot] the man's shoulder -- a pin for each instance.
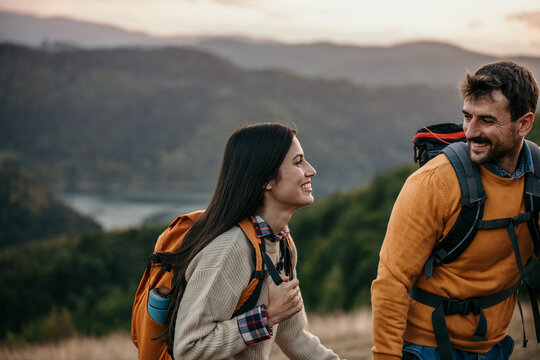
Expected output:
(438, 169)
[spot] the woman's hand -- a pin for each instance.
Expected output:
(283, 301)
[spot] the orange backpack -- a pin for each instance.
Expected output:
(147, 328)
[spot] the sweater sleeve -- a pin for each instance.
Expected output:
(415, 225)
(298, 343)
(204, 328)
(293, 337)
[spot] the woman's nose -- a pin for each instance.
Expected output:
(310, 171)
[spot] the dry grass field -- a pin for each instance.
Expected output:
(349, 335)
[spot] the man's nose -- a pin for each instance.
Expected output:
(471, 128)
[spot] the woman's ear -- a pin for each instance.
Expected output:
(267, 186)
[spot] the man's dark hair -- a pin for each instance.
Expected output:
(516, 82)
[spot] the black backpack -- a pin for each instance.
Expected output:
(449, 139)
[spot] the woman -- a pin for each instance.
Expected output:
(264, 177)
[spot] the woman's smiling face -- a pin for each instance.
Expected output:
(291, 189)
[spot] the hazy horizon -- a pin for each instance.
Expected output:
(499, 28)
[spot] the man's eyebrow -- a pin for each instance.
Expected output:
(486, 116)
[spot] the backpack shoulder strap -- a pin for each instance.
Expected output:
(472, 207)
(467, 172)
(532, 192)
(251, 293)
(170, 241)
(288, 260)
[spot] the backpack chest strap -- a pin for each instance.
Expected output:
(448, 306)
(509, 224)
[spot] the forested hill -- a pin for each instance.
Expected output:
(87, 283)
(163, 115)
(30, 212)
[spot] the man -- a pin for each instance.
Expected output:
(500, 101)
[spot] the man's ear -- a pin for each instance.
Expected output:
(525, 123)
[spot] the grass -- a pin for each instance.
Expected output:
(348, 334)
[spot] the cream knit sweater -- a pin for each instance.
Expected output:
(216, 278)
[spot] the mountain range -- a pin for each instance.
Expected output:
(92, 103)
(431, 63)
(162, 115)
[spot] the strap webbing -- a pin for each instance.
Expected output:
(535, 154)
(534, 306)
(441, 333)
(509, 223)
(472, 206)
(270, 265)
(446, 306)
(467, 173)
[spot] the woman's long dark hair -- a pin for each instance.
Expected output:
(252, 157)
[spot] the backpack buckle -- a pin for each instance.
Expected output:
(456, 306)
(161, 259)
(521, 218)
(462, 307)
(157, 258)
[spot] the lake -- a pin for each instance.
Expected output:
(125, 206)
(132, 206)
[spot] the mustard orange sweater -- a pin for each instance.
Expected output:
(426, 209)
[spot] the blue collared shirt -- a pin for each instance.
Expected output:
(525, 165)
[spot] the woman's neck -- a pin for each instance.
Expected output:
(277, 220)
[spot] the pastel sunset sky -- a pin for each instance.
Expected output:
(499, 27)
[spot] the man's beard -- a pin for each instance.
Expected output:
(495, 153)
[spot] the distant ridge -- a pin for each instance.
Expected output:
(431, 63)
(30, 212)
(162, 115)
(32, 30)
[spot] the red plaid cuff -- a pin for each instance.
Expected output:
(253, 325)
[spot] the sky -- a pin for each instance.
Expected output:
(498, 27)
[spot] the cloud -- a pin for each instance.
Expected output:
(475, 24)
(243, 3)
(531, 19)
(254, 5)
(236, 2)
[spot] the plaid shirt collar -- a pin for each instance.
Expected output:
(263, 230)
(525, 165)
